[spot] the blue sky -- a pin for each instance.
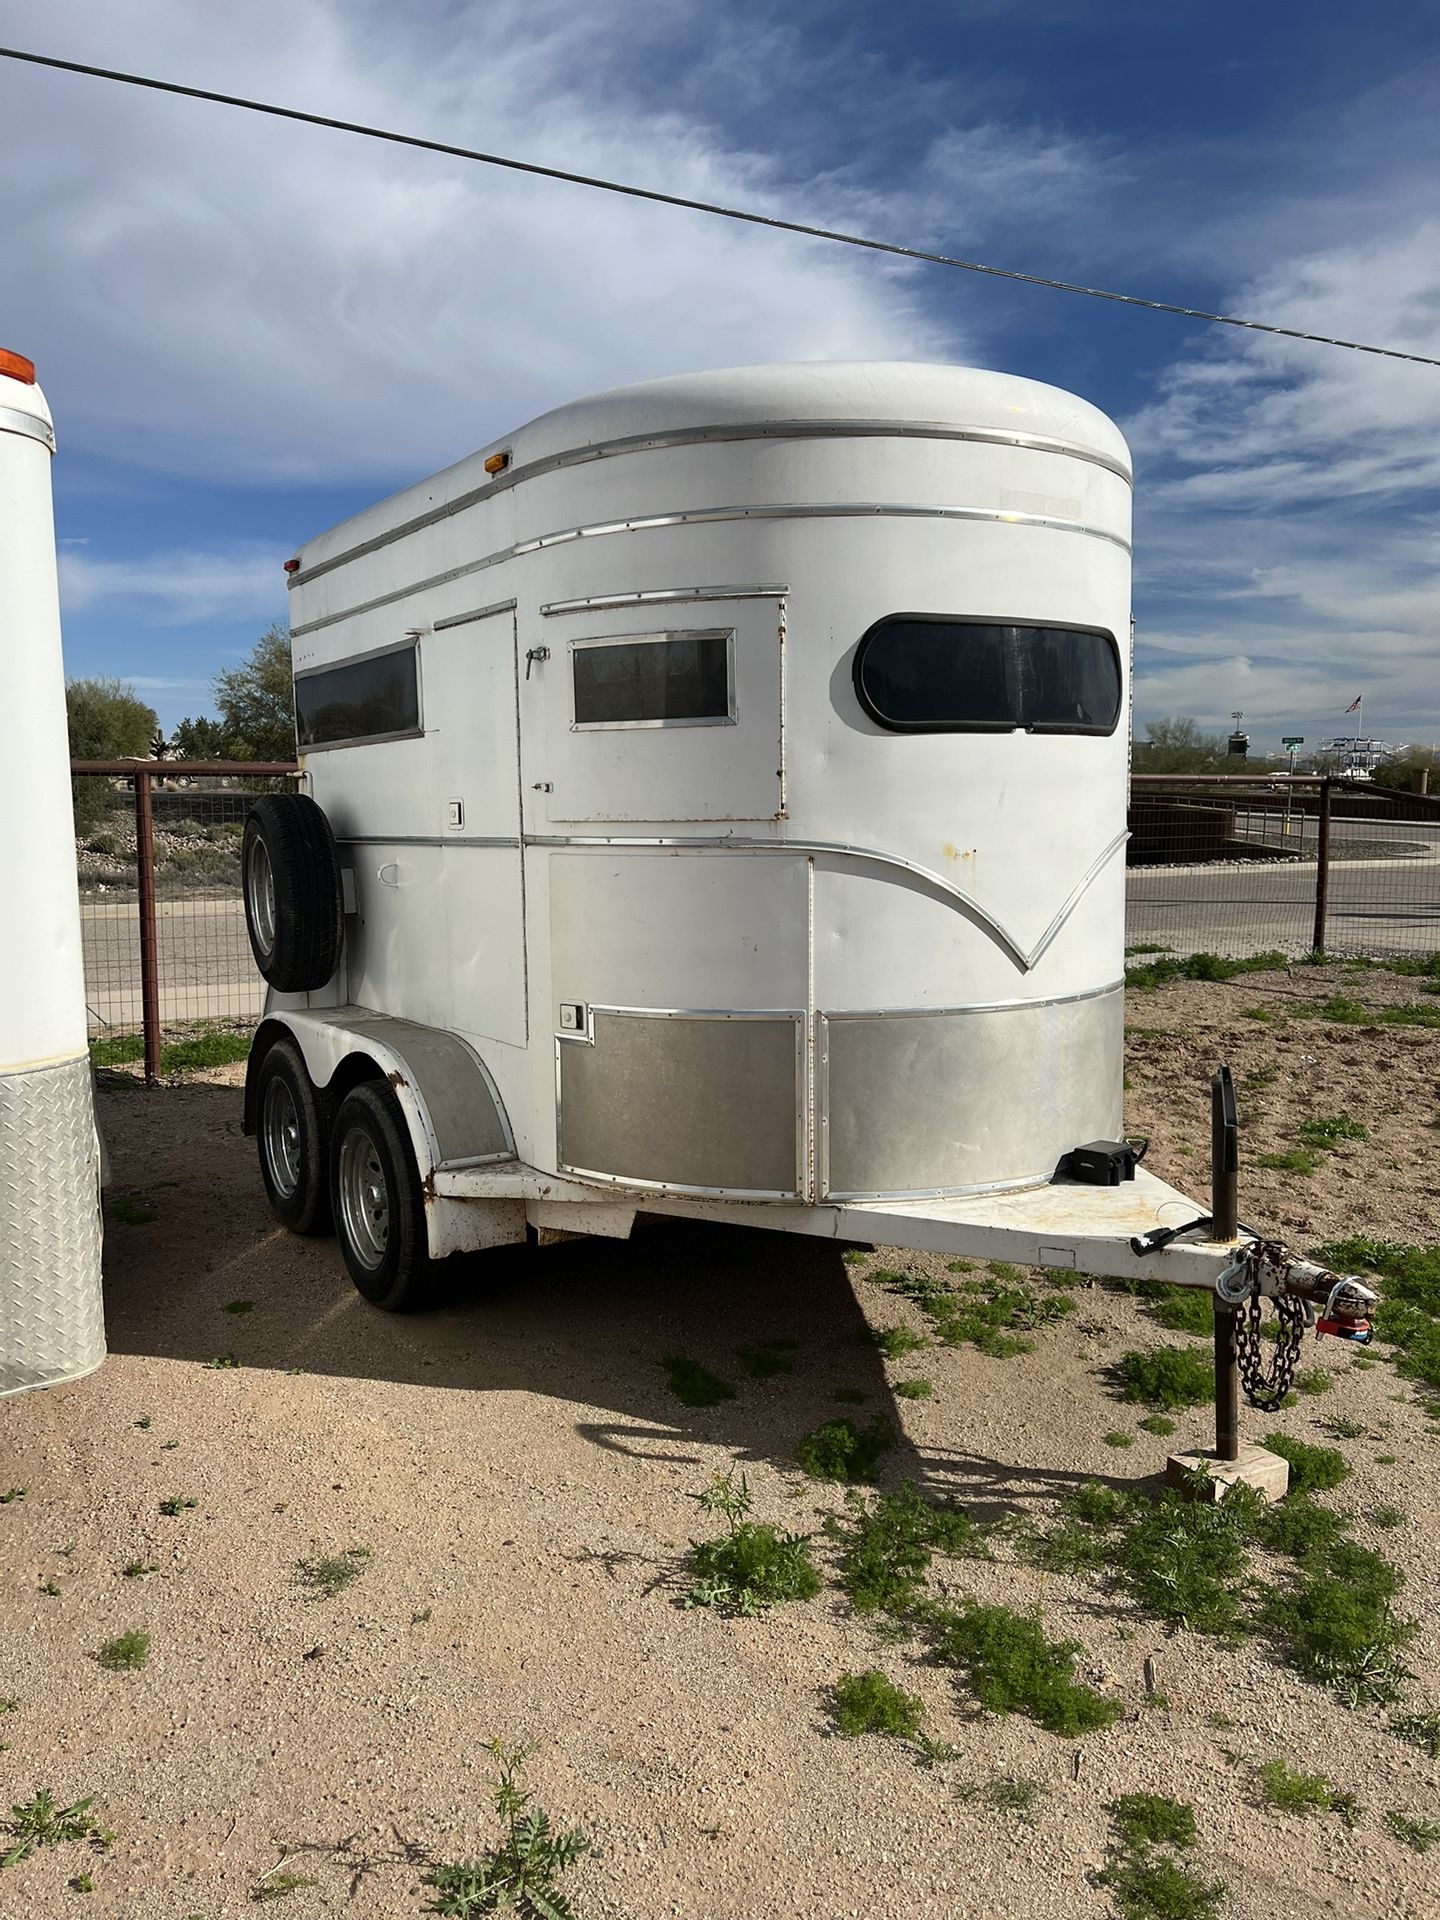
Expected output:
(248, 330)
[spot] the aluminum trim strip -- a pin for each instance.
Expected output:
(477, 613)
(708, 436)
(425, 840)
(708, 516)
(14, 420)
(988, 1006)
(657, 596)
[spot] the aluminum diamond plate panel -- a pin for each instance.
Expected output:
(51, 1320)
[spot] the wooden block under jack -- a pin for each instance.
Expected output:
(1257, 1467)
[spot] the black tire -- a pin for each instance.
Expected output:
(293, 1122)
(291, 882)
(376, 1200)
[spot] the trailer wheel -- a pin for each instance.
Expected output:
(292, 892)
(378, 1206)
(294, 1118)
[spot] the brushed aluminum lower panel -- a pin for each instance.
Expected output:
(965, 1101)
(701, 1102)
(51, 1321)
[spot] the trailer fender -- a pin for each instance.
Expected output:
(452, 1108)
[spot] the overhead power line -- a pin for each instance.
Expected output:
(712, 207)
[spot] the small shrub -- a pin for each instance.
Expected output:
(223, 1363)
(1344, 1638)
(914, 1389)
(117, 1049)
(1387, 1517)
(1301, 1528)
(1412, 1832)
(176, 1503)
(1118, 1438)
(521, 1872)
(1156, 1423)
(1153, 1887)
(1312, 1469)
(1169, 1378)
(205, 1050)
(239, 1306)
(694, 1385)
(1199, 966)
(332, 1573)
(41, 1822)
(127, 1653)
(1012, 1668)
(839, 1450)
(751, 1566)
(869, 1703)
(1304, 1793)
(1182, 1559)
(886, 1546)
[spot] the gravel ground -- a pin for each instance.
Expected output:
(523, 1481)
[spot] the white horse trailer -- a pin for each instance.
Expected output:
(51, 1324)
(717, 808)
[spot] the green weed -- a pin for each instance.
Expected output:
(176, 1503)
(117, 1049)
(887, 1542)
(222, 1363)
(896, 1342)
(1199, 966)
(694, 1385)
(1011, 1667)
(1005, 1794)
(81, 1883)
(521, 1872)
(1302, 1529)
(1408, 1316)
(1326, 1131)
(768, 1360)
(1118, 1438)
(1156, 1423)
(1420, 1729)
(239, 1306)
(869, 1703)
(1150, 1820)
(332, 1573)
(205, 1050)
(138, 1569)
(856, 1256)
(12, 1494)
(1341, 1636)
(275, 1885)
(1315, 1380)
(127, 1653)
(1312, 1469)
(1170, 1377)
(751, 1566)
(839, 1450)
(1304, 1793)
(914, 1389)
(1413, 1832)
(1179, 1309)
(1182, 1559)
(1294, 1160)
(42, 1822)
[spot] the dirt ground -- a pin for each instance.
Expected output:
(523, 1481)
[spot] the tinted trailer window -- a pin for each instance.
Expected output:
(926, 674)
(373, 697)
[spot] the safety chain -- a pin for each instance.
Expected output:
(1267, 1389)
(1266, 1268)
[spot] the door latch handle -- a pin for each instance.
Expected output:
(532, 655)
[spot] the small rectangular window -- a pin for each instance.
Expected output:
(375, 697)
(655, 680)
(926, 673)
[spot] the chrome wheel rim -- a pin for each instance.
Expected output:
(260, 892)
(280, 1130)
(364, 1198)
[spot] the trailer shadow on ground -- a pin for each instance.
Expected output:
(197, 1270)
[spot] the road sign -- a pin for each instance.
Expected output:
(1293, 740)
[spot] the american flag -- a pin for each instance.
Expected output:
(1355, 703)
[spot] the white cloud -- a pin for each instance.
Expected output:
(176, 589)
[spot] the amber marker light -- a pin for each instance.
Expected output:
(497, 463)
(17, 366)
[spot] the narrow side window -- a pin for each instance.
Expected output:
(375, 696)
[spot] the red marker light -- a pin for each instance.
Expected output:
(292, 566)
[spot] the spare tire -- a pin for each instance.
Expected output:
(292, 892)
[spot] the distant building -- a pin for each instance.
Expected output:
(1355, 756)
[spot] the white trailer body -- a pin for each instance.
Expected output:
(51, 1322)
(728, 776)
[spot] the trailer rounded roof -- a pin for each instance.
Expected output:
(905, 393)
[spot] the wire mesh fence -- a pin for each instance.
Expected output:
(1243, 865)
(161, 912)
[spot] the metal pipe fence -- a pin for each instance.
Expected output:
(1227, 864)
(1239, 864)
(162, 920)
